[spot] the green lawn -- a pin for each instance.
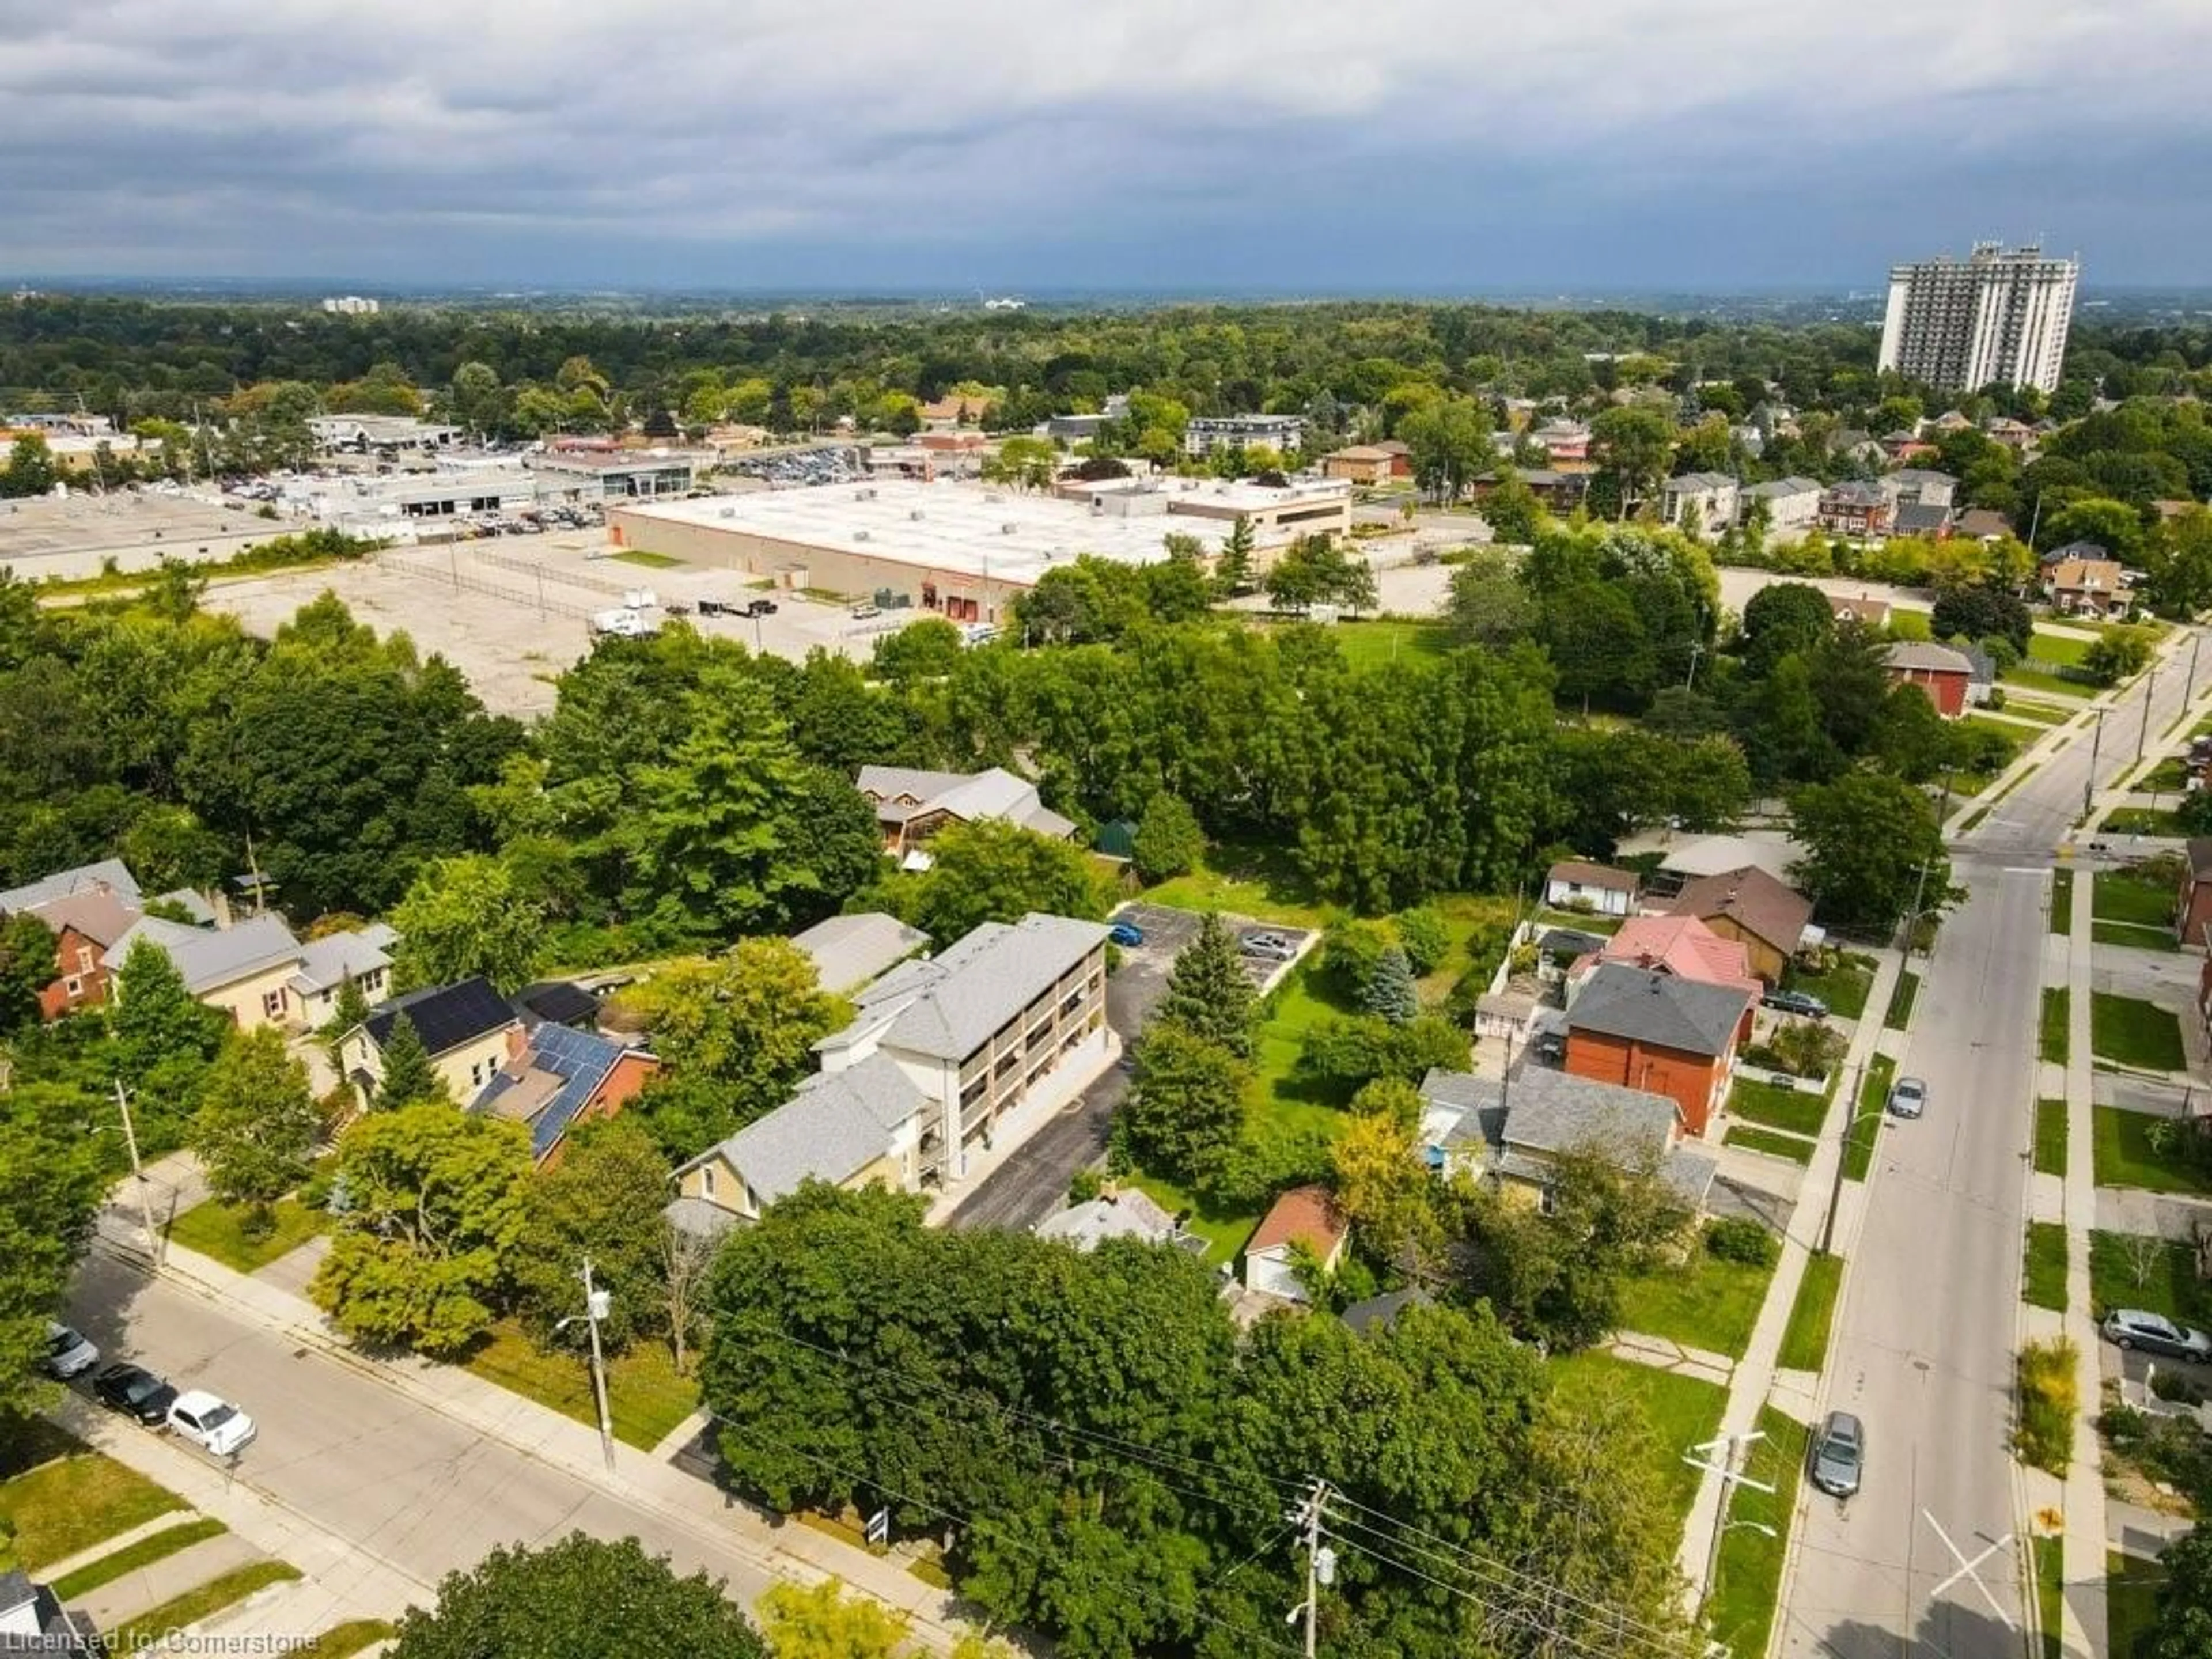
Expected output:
(2126, 1159)
(218, 1230)
(2035, 680)
(1278, 1096)
(64, 1507)
(1844, 988)
(2051, 1595)
(1706, 1302)
(1901, 998)
(2061, 903)
(1370, 644)
(1224, 1230)
(2045, 1285)
(1794, 1148)
(2129, 1031)
(2062, 648)
(646, 1396)
(341, 1640)
(2041, 714)
(1812, 1315)
(2171, 1286)
(2053, 1040)
(2169, 774)
(2131, 1590)
(650, 561)
(1868, 1121)
(2143, 821)
(1680, 1412)
(154, 1547)
(2119, 895)
(1757, 1101)
(145, 1631)
(1262, 882)
(2050, 1137)
(1747, 1576)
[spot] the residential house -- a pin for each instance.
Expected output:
(1768, 917)
(1559, 492)
(1916, 486)
(1856, 444)
(245, 970)
(1567, 443)
(1367, 464)
(1306, 1215)
(1866, 612)
(556, 1002)
(955, 410)
(555, 1077)
(1945, 674)
(1916, 518)
(107, 876)
(465, 1027)
(950, 1057)
(1598, 889)
(362, 955)
(85, 924)
(1659, 1033)
(1983, 524)
(1682, 945)
(1511, 1134)
(857, 1128)
(34, 1621)
(850, 951)
(2081, 579)
(1855, 508)
(1117, 1213)
(1380, 1313)
(913, 805)
(1793, 505)
(2015, 435)
(1903, 445)
(1283, 434)
(1706, 501)
(2193, 923)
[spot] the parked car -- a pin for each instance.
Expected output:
(136, 1392)
(1126, 933)
(68, 1354)
(2131, 1327)
(1908, 1097)
(864, 612)
(1839, 1455)
(1272, 947)
(209, 1421)
(1796, 1002)
(767, 608)
(716, 608)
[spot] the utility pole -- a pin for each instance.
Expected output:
(2142, 733)
(596, 1304)
(2090, 783)
(138, 1174)
(2188, 691)
(1842, 1155)
(1912, 921)
(1731, 1447)
(1321, 1560)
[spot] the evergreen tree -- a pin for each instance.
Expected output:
(1390, 991)
(1186, 1112)
(1210, 994)
(409, 1079)
(347, 1011)
(1232, 569)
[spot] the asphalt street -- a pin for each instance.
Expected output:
(407, 1488)
(1926, 1558)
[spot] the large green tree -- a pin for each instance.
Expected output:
(2184, 1629)
(164, 1039)
(602, 1202)
(581, 1598)
(1871, 841)
(437, 1201)
(256, 1124)
(1210, 992)
(462, 917)
(1186, 1107)
(26, 967)
(992, 871)
(51, 1182)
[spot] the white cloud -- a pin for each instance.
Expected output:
(764, 122)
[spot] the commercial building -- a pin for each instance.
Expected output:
(383, 505)
(381, 434)
(611, 475)
(2000, 317)
(352, 305)
(960, 550)
(1276, 513)
(1283, 434)
(948, 1057)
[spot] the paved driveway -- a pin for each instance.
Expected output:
(1032, 1183)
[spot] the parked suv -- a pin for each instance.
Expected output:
(2131, 1327)
(68, 1354)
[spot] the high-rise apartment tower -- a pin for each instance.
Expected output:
(1999, 317)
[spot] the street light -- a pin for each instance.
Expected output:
(1859, 1114)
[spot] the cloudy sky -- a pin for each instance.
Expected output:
(1457, 145)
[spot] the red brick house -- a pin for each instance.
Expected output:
(1660, 1033)
(1853, 508)
(556, 1077)
(1942, 672)
(84, 924)
(2193, 908)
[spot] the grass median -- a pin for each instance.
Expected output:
(1772, 1142)
(1901, 998)
(156, 1546)
(2044, 1282)
(1812, 1315)
(2061, 903)
(1869, 1122)
(2050, 1137)
(2053, 1040)
(1747, 1576)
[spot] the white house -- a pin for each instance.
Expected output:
(1304, 1216)
(1596, 889)
(1793, 505)
(1705, 502)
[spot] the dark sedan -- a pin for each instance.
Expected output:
(137, 1391)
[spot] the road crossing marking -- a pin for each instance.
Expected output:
(1966, 1568)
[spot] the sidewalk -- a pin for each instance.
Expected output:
(697, 1506)
(1755, 1374)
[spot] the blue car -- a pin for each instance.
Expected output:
(1126, 933)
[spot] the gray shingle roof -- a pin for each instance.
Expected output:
(1780, 488)
(1549, 1111)
(849, 950)
(209, 958)
(1660, 1009)
(1381, 1312)
(834, 1127)
(1700, 481)
(953, 1003)
(108, 873)
(1128, 1213)
(326, 962)
(994, 792)
(1926, 656)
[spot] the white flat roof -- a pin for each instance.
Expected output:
(962, 528)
